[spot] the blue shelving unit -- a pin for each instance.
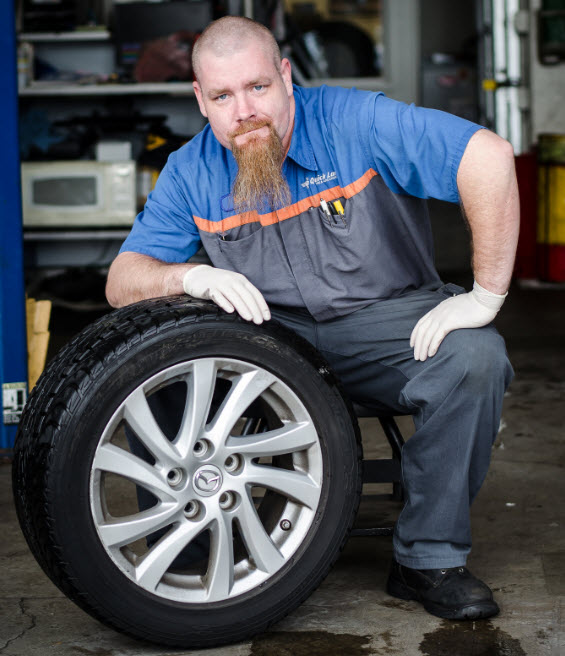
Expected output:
(13, 341)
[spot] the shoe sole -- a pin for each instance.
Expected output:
(476, 611)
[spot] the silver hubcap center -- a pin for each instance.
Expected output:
(207, 480)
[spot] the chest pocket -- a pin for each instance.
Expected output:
(331, 215)
(261, 257)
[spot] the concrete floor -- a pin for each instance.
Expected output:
(518, 530)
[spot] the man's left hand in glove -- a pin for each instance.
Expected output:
(472, 310)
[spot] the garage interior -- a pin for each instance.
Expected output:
(433, 53)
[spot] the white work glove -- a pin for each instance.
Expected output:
(230, 290)
(472, 310)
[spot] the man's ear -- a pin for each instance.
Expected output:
(286, 74)
(198, 94)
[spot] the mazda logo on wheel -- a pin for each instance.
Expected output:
(207, 480)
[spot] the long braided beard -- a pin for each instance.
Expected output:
(259, 183)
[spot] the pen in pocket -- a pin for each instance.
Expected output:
(338, 207)
(326, 210)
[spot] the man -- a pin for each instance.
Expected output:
(309, 205)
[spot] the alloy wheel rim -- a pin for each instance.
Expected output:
(255, 495)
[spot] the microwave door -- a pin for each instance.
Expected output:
(67, 192)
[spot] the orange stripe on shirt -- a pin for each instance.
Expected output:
(286, 212)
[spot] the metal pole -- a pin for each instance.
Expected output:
(13, 340)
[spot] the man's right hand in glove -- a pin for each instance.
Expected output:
(230, 290)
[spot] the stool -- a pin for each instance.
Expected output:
(383, 470)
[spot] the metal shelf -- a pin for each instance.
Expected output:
(78, 35)
(138, 88)
(64, 234)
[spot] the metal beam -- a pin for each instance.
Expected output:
(13, 340)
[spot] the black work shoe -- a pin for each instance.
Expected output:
(453, 593)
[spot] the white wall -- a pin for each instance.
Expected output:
(547, 87)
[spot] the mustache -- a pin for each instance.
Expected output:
(248, 126)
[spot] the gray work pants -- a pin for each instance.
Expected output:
(455, 399)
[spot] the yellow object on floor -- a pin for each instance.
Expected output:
(37, 320)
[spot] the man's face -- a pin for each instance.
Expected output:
(250, 106)
(245, 88)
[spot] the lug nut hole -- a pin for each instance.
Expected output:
(191, 509)
(232, 463)
(175, 476)
(201, 448)
(227, 500)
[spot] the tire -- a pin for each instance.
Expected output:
(261, 459)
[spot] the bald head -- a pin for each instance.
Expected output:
(231, 34)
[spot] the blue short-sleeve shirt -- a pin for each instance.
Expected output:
(361, 152)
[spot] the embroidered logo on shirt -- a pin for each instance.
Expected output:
(319, 179)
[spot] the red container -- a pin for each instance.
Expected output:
(527, 255)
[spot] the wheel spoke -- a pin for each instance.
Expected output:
(259, 545)
(141, 420)
(292, 484)
(201, 385)
(124, 530)
(220, 569)
(287, 439)
(243, 392)
(112, 459)
(158, 559)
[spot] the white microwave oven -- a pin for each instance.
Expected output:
(81, 193)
